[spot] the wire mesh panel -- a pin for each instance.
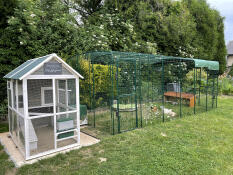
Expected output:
(151, 93)
(9, 93)
(140, 89)
(20, 97)
(71, 87)
(41, 135)
(66, 95)
(126, 95)
(14, 126)
(66, 123)
(10, 120)
(40, 97)
(66, 133)
(21, 133)
(14, 93)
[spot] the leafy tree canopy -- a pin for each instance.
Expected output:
(31, 28)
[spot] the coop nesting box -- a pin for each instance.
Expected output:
(43, 106)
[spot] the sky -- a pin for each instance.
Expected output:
(225, 7)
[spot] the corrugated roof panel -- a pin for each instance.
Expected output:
(211, 65)
(30, 66)
(18, 69)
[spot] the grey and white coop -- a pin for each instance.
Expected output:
(43, 106)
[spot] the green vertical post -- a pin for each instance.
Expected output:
(213, 89)
(93, 95)
(194, 91)
(140, 91)
(135, 84)
(207, 84)
(217, 94)
(180, 82)
(148, 80)
(112, 93)
(112, 96)
(90, 93)
(199, 99)
(117, 113)
(163, 87)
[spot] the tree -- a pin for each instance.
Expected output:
(36, 28)
(221, 47)
(6, 10)
(210, 32)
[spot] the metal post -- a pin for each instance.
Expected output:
(112, 79)
(140, 91)
(213, 88)
(180, 94)
(135, 84)
(199, 100)
(93, 89)
(194, 90)
(207, 91)
(117, 113)
(148, 79)
(90, 94)
(163, 86)
(217, 94)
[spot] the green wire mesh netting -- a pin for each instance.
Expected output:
(125, 90)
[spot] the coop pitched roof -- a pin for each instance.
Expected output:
(31, 65)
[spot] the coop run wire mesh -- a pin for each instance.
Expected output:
(124, 91)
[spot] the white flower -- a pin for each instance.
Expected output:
(32, 15)
(101, 26)
(21, 43)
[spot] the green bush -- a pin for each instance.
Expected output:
(97, 79)
(226, 85)
(231, 72)
(3, 107)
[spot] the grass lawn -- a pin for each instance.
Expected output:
(3, 127)
(200, 144)
(5, 163)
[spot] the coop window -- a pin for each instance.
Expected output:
(20, 101)
(46, 96)
(8, 84)
(9, 93)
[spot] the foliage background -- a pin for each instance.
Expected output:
(32, 28)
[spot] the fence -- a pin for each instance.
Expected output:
(124, 91)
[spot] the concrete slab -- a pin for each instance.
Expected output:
(18, 159)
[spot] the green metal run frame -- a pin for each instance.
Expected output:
(126, 90)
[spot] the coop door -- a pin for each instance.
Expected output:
(66, 95)
(126, 106)
(66, 118)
